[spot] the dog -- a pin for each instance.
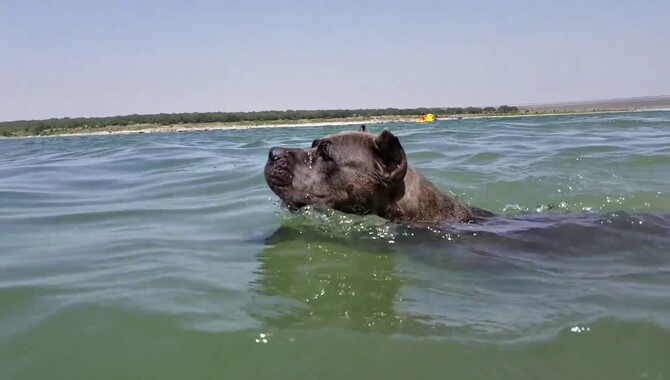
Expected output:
(361, 173)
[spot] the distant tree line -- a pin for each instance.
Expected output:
(36, 127)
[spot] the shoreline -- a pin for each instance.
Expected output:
(217, 126)
(185, 128)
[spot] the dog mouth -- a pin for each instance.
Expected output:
(278, 176)
(280, 180)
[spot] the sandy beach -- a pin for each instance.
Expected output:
(134, 129)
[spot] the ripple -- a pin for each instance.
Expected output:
(182, 226)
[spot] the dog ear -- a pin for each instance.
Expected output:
(392, 156)
(362, 129)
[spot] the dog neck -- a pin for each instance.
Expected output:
(420, 201)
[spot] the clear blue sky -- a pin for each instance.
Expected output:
(96, 58)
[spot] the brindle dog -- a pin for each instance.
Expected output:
(360, 173)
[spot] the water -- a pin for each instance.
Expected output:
(166, 256)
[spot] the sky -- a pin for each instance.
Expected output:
(74, 58)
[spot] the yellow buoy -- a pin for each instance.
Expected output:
(426, 118)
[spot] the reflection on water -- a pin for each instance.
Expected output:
(329, 284)
(322, 268)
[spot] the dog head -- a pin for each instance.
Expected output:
(354, 172)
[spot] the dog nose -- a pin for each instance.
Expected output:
(276, 154)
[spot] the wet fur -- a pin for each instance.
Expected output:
(362, 173)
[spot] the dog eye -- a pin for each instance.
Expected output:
(324, 151)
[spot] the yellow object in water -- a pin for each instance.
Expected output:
(426, 118)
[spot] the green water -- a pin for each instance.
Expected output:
(165, 256)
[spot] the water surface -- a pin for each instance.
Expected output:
(166, 256)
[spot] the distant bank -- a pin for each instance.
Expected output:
(182, 122)
(615, 104)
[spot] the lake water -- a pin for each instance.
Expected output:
(166, 256)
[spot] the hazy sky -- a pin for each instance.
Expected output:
(98, 58)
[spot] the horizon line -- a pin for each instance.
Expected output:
(565, 103)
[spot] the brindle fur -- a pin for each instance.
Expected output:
(360, 173)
